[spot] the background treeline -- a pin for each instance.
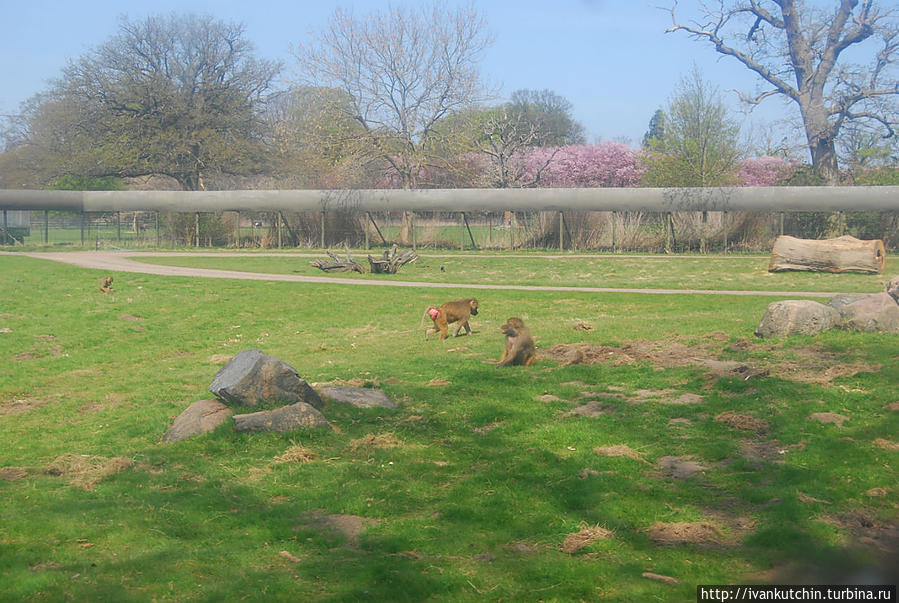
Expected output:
(394, 100)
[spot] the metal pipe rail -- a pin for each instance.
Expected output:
(763, 199)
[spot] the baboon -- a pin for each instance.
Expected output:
(106, 284)
(453, 311)
(520, 348)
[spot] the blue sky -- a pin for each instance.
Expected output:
(610, 58)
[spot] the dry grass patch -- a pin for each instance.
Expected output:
(620, 450)
(741, 421)
(585, 536)
(296, 454)
(697, 533)
(85, 471)
(381, 441)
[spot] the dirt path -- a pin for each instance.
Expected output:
(121, 261)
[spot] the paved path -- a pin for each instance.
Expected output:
(121, 261)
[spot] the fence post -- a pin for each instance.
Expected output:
(237, 231)
(725, 231)
(412, 228)
(511, 231)
(561, 231)
(118, 227)
(614, 231)
(323, 229)
(157, 228)
(46, 227)
(462, 231)
(279, 230)
(82, 228)
(197, 228)
(5, 229)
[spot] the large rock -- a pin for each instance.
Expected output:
(361, 397)
(286, 418)
(796, 317)
(840, 301)
(200, 417)
(251, 378)
(878, 313)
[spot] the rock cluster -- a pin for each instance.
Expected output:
(252, 378)
(878, 312)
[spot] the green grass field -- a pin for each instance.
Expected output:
(554, 482)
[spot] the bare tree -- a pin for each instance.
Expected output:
(802, 53)
(403, 70)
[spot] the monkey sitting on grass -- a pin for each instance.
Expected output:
(520, 349)
(450, 312)
(106, 284)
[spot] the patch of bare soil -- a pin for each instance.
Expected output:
(887, 444)
(380, 441)
(11, 474)
(16, 406)
(868, 531)
(85, 471)
(811, 364)
(680, 467)
(829, 418)
(593, 409)
(348, 527)
(620, 450)
(742, 421)
(698, 533)
(768, 451)
(587, 535)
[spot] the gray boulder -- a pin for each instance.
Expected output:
(361, 397)
(796, 317)
(286, 418)
(838, 302)
(200, 417)
(251, 377)
(878, 313)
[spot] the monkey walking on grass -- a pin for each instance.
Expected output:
(450, 312)
(520, 349)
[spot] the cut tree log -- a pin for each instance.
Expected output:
(391, 262)
(843, 254)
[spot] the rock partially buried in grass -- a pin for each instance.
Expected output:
(360, 397)
(200, 417)
(791, 317)
(252, 378)
(287, 418)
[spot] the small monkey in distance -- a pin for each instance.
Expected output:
(106, 284)
(450, 312)
(520, 348)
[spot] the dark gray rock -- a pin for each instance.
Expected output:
(361, 397)
(252, 378)
(796, 317)
(286, 418)
(200, 417)
(877, 313)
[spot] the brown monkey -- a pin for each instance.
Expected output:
(453, 311)
(106, 284)
(520, 348)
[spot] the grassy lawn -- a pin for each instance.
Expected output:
(734, 272)
(560, 481)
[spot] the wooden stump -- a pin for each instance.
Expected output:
(336, 264)
(391, 262)
(843, 254)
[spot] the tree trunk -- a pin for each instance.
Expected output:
(843, 254)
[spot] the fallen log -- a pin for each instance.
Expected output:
(337, 264)
(843, 254)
